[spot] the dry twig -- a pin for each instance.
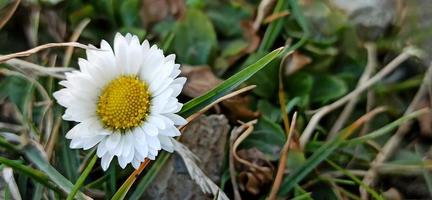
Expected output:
(74, 38)
(9, 13)
(392, 144)
(349, 107)
(307, 133)
(282, 161)
(4, 58)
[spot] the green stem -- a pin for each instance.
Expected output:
(82, 178)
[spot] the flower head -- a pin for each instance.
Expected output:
(124, 101)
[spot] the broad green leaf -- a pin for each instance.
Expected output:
(269, 110)
(327, 88)
(268, 137)
(299, 85)
(195, 38)
(227, 19)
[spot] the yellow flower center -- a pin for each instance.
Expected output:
(124, 103)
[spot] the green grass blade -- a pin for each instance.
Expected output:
(386, 129)
(372, 192)
(301, 20)
(35, 174)
(228, 85)
(327, 149)
(274, 28)
(149, 176)
(35, 156)
(82, 178)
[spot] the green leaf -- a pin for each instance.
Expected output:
(195, 38)
(268, 137)
(227, 19)
(82, 178)
(129, 10)
(268, 110)
(274, 29)
(34, 155)
(265, 78)
(35, 174)
(18, 89)
(300, 85)
(68, 159)
(327, 88)
(228, 85)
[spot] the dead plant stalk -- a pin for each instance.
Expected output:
(392, 144)
(320, 113)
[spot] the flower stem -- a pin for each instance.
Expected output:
(82, 178)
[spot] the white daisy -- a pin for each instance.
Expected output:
(124, 101)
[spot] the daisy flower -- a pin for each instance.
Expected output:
(124, 101)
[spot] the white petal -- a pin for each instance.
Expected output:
(113, 141)
(153, 142)
(150, 129)
(76, 143)
(136, 164)
(140, 144)
(177, 119)
(106, 160)
(121, 53)
(159, 102)
(156, 121)
(166, 143)
(170, 131)
(91, 142)
(101, 150)
(118, 151)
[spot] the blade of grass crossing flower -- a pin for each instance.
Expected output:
(82, 178)
(34, 155)
(149, 176)
(228, 85)
(35, 174)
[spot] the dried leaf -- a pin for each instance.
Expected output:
(153, 11)
(251, 179)
(295, 62)
(200, 79)
(239, 108)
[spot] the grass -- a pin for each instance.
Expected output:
(39, 45)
